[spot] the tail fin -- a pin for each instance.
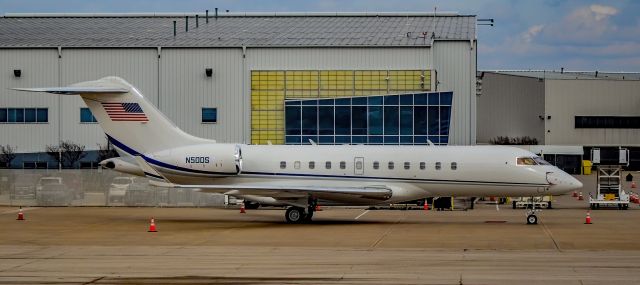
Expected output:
(131, 122)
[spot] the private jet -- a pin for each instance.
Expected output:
(299, 176)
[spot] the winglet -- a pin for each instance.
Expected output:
(148, 170)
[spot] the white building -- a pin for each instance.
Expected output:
(235, 68)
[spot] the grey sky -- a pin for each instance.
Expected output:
(542, 34)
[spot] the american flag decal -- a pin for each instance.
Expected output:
(125, 112)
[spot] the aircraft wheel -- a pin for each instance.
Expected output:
(532, 219)
(294, 215)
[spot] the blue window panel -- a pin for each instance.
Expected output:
(391, 100)
(343, 101)
(325, 102)
(375, 100)
(343, 139)
(292, 139)
(444, 139)
(375, 120)
(293, 121)
(446, 98)
(325, 118)
(434, 120)
(406, 139)
(359, 120)
(325, 140)
(305, 139)
(445, 115)
(292, 103)
(391, 120)
(16, 115)
(30, 115)
(359, 139)
(3, 115)
(209, 115)
(420, 126)
(391, 140)
(421, 99)
(375, 139)
(420, 139)
(434, 139)
(309, 120)
(406, 120)
(434, 98)
(406, 99)
(359, 101)
(42, 115)
(310, 103)
(86, 116)
(343, 120)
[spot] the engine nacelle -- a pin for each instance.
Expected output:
(120, 165)
(220, 159)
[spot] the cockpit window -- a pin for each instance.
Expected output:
(541, 161)
(526, 161)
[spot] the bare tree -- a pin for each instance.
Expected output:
(106, 151)
(67, 153)
(526, 140)
(7, 154)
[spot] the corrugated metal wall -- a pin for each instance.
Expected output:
(565, 99)
(455, 64)
(39, 67)
(510, 106)
(177, 83)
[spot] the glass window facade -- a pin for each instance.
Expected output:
(24, 115)
(86, 116)
(405, 119)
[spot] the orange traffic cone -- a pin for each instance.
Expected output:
(426, 205)
(318, 208)
(580, 196)
(20, 215)
(588, 219)
(242, 210)
(152, 226)
(633, 184)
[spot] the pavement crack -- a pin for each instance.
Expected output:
(548, 232)
(95, 280)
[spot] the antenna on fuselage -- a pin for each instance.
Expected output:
(430, 143)
(312, 142)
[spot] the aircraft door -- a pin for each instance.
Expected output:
(358, 166)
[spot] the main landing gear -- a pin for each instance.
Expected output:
(532, 219)
(296, 215)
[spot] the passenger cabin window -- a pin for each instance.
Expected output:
(343, 165)
(423, 165)
(296, 165)
(391, 165)
(438, 165)
(526, 161)
(283, 164)
(312, 164)
(359, 165)
(376, 165)
(327, 165)
(454, 165)
(407, 165)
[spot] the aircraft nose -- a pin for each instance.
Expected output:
(563, 182)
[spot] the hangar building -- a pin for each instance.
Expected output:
(588, 109)
(379, 78)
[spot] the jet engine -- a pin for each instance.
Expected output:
(121, 165)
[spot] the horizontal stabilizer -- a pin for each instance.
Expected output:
(76, 90)
(148, 170)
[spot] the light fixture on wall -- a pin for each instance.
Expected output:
(17, 72)
(208, 72)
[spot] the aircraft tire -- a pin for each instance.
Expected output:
(294, 215)
(532, 219)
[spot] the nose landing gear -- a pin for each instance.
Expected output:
(532, 219)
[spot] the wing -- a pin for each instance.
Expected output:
(75, 90)
(368, 192)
